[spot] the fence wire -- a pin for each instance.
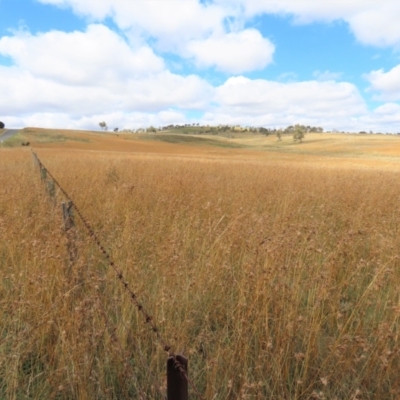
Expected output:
(132, 295)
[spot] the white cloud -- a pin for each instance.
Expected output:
(169, 22)
(167, 89)
(385, 118)
(162, 99)
(373, 22)
(187, 28)
(268, 103)
(330, 104)
(387, 83)
(172, 23)
(77, 79)
(378, 25)
(388, 110)
(235, 52)
(80, 58)
(245, 95)
(90, 73)
(119, 120)
(26, 93)
(307, 10)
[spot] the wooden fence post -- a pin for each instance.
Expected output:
(43, 173)
(51, 188)
(68, 215)
(69, 224)
(177, 384)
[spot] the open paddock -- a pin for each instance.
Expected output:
(273, 267)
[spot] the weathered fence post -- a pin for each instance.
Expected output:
(69, 224)
(68, 215)
(177, 384)
(43, 173)
(51, 188)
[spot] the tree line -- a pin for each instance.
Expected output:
(298, 131)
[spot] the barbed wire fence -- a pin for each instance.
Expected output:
(178, 381)
(72, 237)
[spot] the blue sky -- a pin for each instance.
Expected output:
(272, 63)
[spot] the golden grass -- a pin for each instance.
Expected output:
(335, 150)
(276, 274)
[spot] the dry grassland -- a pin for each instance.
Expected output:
(277, 274)
(328, 150)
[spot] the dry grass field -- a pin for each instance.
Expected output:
(273, 267)
(327, 150)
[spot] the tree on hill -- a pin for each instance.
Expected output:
(151, 129)
(290, 129)
(265, 131)
(298, 133)
(316, 129)
(103, 125)
(2, 125)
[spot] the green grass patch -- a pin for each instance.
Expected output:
(191, 140)
(14, 141)
(29, 135)
(44, 137)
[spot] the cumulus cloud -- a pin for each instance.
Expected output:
(385, 118)
(25, 93)
(306, 10)
(188, 28)
(372, 22)
(89, 73)
(330, 104)
(80, 58)
(377, 25)
(268, 103)
(163, 99)
(246, 95)
(387, 83)
(388, 110)
(122, 120)
(235, 52)
(77, 79)
(173, 22)
(169, 22)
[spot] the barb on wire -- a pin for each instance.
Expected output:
(146, 315)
